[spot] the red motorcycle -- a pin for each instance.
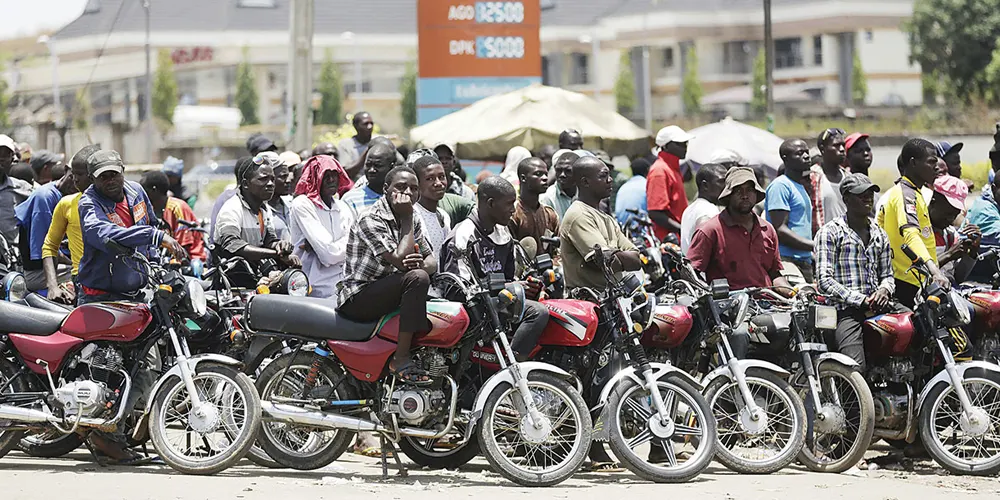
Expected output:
(531, 422)
(83, 370)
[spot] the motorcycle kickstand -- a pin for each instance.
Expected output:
(93, 454)
(395, 456)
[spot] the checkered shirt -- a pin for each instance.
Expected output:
(847, 270)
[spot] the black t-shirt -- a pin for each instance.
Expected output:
(495, 251)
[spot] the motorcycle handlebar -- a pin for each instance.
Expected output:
(989, 254)
(910, 254)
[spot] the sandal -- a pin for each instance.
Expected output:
(411, 373)
(372, 452)
(606, 467)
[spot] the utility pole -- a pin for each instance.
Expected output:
(302, 82)
(150, 148)
(769, 64)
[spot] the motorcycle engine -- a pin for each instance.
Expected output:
(895, 370)
(891, 410)
(414, 405)
(90, 394)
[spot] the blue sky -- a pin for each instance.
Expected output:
(28, 17)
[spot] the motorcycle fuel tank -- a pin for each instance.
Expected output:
(671, 325)
(115, 321)
(572, 323)
(888, 334)
(986, 305)
(449, 321)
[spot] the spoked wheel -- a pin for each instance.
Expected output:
(298, 446)
(843, 423)
(964, 443)
(9, 439)
(529, 454)
(49, 443)
(667, 452)
(212, 436)
(441, 453)
(763, 443)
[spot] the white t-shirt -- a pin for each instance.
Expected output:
(833, 203)
(698, 209)
(436, 227)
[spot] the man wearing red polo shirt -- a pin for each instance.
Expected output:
(665, 196)
(738, 244)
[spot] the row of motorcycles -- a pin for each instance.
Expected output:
(666, 369)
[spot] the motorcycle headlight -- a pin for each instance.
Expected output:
(824, 317)
(196, 298)
(294, 282)
(14, 287)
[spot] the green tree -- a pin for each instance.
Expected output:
(625, 84)
(692, 86)
(246, 90)
(758, 84)
(859, 82)
(408, 89)
(331, 93)
(164, 88)
(81, 112)
(956, 39)
(4, 99)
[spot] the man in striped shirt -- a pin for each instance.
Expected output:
(854, 265)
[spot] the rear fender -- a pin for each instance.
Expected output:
(601, 427)
(942, 377)
(743, 365)
(505, 376)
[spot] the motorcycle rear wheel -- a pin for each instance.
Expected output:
(941, 425)
(237, 420)
(437, 453)
(49, 444)
(502, 439)
(692, 424)
(786, 422)
(858, 407)
(10, 439)
(313, 448)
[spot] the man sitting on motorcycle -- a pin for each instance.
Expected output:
(494, 247)
(244, 227)
(957, 249)
(389, 264)
(854, 265)
(171, 211)
(585, 225)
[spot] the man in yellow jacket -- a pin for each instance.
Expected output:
(66, 224)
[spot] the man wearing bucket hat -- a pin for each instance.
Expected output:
(737, 244)
(854, 265)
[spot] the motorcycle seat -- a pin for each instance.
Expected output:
(17, 318)
(38, 302)
(307, 317)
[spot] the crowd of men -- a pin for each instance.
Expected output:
(370, 222)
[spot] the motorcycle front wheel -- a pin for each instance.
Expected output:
(530, 455)
(209, 439)
(842, 436)
(682, 447)
(961, 444)
(14, 385)
(761, 446)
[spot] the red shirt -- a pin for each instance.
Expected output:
(721, 248)
(665, 190)
(192, 241)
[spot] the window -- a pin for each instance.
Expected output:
(818, 50)
(869, 35)
(366, 87)
(788, 53)
(93, 6)
(578, 74)
(187, 88)
(266, 4)
(668, 58)
(737, 57)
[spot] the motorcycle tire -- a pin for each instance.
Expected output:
(502, 460)
(727, 426)
(10, 439)
(238, 445)
(862, 410)
(269, 439)
(42, 447)
(983, 387)
(432, 459)
(704, 441)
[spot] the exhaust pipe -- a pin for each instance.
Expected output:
(23, 415)
(294, 415)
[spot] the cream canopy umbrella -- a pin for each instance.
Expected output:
(531, 117)
(756, 146)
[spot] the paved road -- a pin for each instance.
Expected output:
(358, 478)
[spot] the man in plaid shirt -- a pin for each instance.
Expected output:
(389, 264)
(854, 265)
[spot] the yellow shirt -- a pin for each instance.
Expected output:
(905, 219)
(65, 222)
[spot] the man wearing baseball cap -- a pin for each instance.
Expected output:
(859, 153)
(665, 196)
(44, 164)
(854, 265)
(113, 208)
(957, 249)
(12, 191)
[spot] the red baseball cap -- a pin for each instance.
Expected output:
(851, 139)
